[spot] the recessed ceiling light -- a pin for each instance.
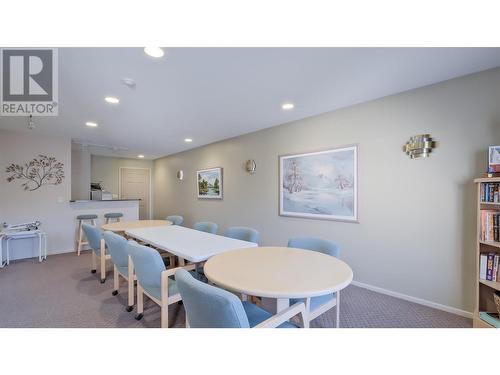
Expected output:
(287, 106)
(91, 124)
(188, 140)
(112, 99)
(140, 156)
(154, 51)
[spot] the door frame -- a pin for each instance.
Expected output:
(150, 187)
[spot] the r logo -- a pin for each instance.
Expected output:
(29, 82)
(27, 75)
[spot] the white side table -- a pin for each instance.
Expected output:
(42, 242)
(2, 263)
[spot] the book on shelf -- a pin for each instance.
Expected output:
(490, 192)
(489, 269)
(490, 226)
(490, 318)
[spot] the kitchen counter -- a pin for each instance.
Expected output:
(104, 200)
(128, 207)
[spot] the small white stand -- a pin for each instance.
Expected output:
(9, 236)
(2, 263)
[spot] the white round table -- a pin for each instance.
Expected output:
(279, 273)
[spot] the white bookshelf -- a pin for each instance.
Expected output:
(483, 300)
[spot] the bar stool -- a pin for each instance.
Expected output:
(81, 219)
(113, 215)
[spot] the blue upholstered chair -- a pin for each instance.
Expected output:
(210, 307)
(154, 280)
(317, 305)
(206, 226)
(243, 233)
(175, 219)
(96, 242)
(118, 249)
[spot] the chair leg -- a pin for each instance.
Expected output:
(164, 314)
(337, 311)
(80, 235)
(130, 283)
(94, 262)
(7, 249)
(103, 268)
(103, 261)
(116, 280)
(140, 302)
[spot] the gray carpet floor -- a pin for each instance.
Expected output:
(61, 292)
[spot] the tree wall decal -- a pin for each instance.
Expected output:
(37, 172)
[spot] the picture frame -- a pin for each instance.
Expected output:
(209, 183)
(494, 159)
(320, 185)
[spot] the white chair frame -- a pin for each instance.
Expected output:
(130, 282)
(274, 321)
(313, 314)
(166, 300)
(102, 260)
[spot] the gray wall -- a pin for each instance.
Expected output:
(106, 170)
(80, 172)
(416, 233)
(49, 203)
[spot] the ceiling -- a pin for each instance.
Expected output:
(209, 94)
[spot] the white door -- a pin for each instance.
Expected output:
(135, 184)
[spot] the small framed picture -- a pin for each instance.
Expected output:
(209, 183)
(494, 159)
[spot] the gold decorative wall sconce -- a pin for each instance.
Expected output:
(180, 175)
(419, 146)
(251, 166)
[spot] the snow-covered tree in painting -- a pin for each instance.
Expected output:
(320, 185)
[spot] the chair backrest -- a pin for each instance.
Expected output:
(206, 226)
(175, 219)
(117, 246)
(148, 265)
(207, 306)
(94, 236)
(316, 244)
(243, 233)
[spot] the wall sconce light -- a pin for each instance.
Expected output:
(419, 146)
(250, 166)
(180, 175)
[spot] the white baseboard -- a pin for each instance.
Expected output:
(420, 301)
(49, 253)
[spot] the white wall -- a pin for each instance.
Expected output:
(49, 204)
(416, 234)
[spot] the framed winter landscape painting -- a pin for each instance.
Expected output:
(320, 185)
(209, 183)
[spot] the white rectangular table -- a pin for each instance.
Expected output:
(189, 244)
